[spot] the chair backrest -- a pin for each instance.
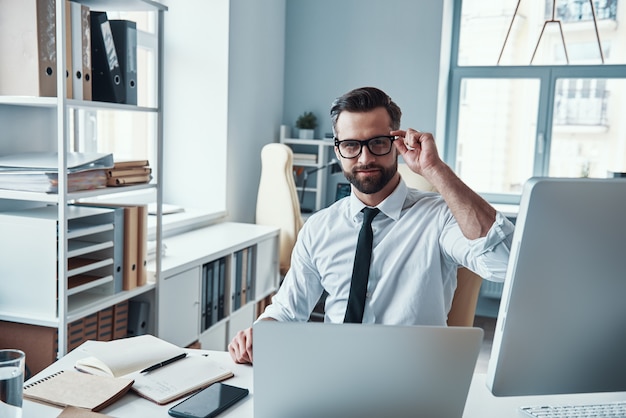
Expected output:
(463, 307)
(277, 199)
(413, 179)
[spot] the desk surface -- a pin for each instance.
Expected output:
(480, 402)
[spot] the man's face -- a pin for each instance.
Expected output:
(368, 173)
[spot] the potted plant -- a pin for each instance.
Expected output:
(306, 124)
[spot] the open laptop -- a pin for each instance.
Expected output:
(317, 370)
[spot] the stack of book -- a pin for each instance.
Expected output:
(129, 172)
(38, 171)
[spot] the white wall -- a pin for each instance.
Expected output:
(333, 46)
(223, 100)
(236, 69)
(255, 96)
(195, 103)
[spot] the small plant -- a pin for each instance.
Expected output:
(307, 120)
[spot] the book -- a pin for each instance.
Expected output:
(131, 171)
(121, 181)
(130, 163)
(48, 182)
(125, 39)
(74, 412)
(28, 48)
(70, 388)
(108, 80)
(48, 161)
(127, 357)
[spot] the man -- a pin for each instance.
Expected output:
(419, 238)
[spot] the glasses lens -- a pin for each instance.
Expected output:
(349, 149)
(380, 145)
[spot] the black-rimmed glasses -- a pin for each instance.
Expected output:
(352, 148)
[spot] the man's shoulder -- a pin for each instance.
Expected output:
(335, 209)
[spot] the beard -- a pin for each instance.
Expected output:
(371, 184)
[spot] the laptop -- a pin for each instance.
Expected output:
(318, 370)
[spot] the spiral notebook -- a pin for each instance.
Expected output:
(68, 388)
(126, 358)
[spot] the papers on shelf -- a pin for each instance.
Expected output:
(47, 162)
(304, 158)
(38, 171)
(167, 209)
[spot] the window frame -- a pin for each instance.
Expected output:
(547, 76)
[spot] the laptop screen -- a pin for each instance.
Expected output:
(314, 370)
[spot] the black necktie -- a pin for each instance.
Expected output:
(361, 269)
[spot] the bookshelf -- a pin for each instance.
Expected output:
(311, 154)
(42, 290)
(242, 253)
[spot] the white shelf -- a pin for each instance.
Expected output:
(36, 273)
(316, 182)
(316, 142)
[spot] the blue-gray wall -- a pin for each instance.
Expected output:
(291, 56)
(333, 46)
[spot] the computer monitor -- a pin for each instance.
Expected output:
(561, 324)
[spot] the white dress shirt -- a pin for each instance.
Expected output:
(417, 249)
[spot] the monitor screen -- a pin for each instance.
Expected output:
(561, 324)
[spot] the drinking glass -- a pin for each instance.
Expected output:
(12, 364)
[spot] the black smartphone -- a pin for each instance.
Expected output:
(208, 402)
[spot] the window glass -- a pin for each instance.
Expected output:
(542, 32)
(496, 133)
(588, 129)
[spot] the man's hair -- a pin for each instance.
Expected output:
(365, 99)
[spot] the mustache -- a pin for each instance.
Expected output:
(366, 167)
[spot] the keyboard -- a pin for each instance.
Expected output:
(605, 410)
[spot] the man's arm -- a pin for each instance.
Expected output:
(240, 348)
(474, 215)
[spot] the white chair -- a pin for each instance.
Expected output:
(277, 199)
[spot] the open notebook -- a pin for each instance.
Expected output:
(127, 357)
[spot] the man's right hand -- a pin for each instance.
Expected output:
(240, 348)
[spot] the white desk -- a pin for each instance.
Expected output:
(480, 402)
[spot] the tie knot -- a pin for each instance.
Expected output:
(369, 214)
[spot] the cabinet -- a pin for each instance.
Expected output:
(47, 233)
(246, 256)
(310, 161)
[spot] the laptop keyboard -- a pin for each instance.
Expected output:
(613, 409)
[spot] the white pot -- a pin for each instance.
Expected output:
(306, 133)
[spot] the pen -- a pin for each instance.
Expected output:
(164, 363)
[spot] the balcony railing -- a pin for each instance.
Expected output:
(580, 10)
(581, 107)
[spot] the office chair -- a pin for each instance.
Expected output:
(465, 298)
(277, 199)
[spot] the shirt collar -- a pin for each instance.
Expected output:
(391, 206)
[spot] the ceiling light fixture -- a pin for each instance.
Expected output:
(552, 21)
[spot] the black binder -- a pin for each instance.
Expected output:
(125, 38)
(107, 81)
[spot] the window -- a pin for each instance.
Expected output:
(517, 109)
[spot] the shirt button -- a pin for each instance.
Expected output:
(368, 295)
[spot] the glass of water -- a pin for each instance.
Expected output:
(12, 363)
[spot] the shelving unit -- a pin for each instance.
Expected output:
(182, 286)
(55, 124)
(315, 190)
